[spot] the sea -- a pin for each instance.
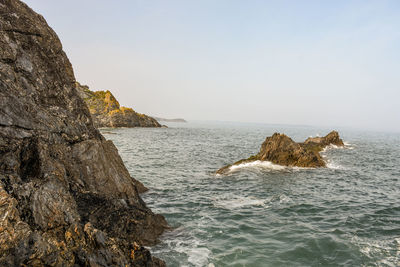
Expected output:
(262, 214)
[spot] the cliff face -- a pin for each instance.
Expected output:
(281, 149)
(66, 197)
(106, 111)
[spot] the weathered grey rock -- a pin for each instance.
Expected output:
(282, 150)
(66, 198)
(106, 111)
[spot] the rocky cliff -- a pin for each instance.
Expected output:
(66, 198)
(282, 150)
(106, 111)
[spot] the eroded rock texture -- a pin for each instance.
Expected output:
(106, 111)
(66, 198)
(282, 150)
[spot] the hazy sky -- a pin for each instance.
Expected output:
(332, 63)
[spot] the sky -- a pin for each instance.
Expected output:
(321, 63)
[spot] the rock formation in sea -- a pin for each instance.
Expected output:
(66, 198)
(282, 150)
(106, 111)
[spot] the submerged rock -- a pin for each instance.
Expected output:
(66, 198)
(106, 111)
(282, 150)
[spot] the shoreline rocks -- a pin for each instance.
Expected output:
(106, 111)
(66, 198)
(282, 150)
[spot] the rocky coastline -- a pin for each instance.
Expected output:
(107, 112)
(282, 150)
(66, 198)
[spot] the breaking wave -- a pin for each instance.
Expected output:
(387, 251)
(258, 164)
(231, 202)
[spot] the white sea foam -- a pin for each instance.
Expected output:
(199, 256)
(332, 165)
(348, 145)
(258, 164)
(383, 249)
(236, 202)
(284, 199)
(331, 146)
(185, 242)
(263, 165)
(329, 163)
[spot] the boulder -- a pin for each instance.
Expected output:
(66, 198)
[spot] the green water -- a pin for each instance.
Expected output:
(261, 215)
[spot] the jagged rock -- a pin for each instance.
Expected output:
(106, 111)
(66, 198)
(330, 139)
(282, 150)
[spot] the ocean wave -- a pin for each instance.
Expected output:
(332, 165)
(258, 164)
(348, 145)
(198, 256)
(284, 199)
(387, 251)
(183, 241)
(237, 202)
(263, 165)
(331, 146)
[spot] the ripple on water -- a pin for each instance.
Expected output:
(262, 214)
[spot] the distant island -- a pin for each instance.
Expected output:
(282, 150)
(170, 120)
(106, 111)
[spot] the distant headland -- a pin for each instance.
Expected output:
(106, 111)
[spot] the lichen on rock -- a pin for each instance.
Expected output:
(282, 150)
(66, 198)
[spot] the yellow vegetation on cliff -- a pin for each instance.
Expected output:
(106, 110)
